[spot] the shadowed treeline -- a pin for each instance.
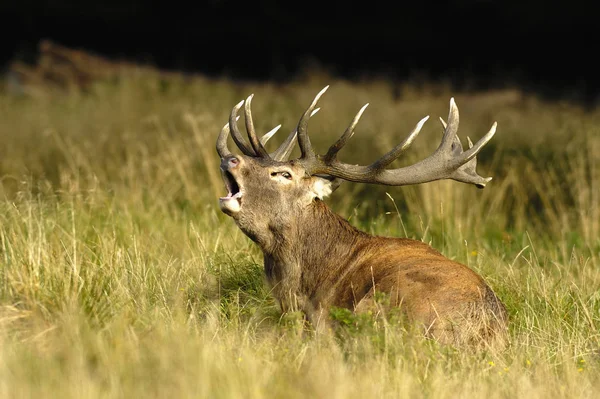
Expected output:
(539, 46)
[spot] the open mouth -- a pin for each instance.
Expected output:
(233, 201)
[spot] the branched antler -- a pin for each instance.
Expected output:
(282, 153)
(448, 161)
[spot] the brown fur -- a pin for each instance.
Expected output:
(314, 259)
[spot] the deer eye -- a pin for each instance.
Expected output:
(287, 175)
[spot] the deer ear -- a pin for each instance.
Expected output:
(323, 186)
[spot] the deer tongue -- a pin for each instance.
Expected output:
(231, 203)
(230, 196)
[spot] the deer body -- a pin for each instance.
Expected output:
(314, 259)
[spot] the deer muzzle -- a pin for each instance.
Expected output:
(232, 202)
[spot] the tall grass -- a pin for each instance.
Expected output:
(119, 277)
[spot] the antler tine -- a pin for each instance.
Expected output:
(400, 148)
(449, 161)
(235, 131)
(222, 148)
(282, 153)
(468, 170)
(474, 149)
(470, 153)
(303, 140)
(451, 128)
(444, 124)
(285, 149)
(256, 145)
(267, 136)
(455, 143)
(337, 146)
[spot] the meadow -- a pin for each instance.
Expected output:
(120, 277)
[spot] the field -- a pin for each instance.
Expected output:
(120, 277)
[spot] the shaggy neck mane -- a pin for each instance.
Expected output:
(317, 233)
(313, 250)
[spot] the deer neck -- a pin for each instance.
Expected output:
(318, 242)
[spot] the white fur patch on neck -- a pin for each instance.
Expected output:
(321, 188)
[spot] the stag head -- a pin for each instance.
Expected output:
(265, 195)
(266, 190)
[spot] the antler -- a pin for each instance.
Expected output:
(256, 148)
(448, 161)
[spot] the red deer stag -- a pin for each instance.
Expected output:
(314, 259)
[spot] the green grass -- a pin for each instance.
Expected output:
(119, 276)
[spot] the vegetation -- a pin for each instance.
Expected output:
(119, 276)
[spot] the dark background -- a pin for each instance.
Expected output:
(541, 46)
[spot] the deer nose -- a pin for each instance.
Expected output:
(233, 162)
(229, 163)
